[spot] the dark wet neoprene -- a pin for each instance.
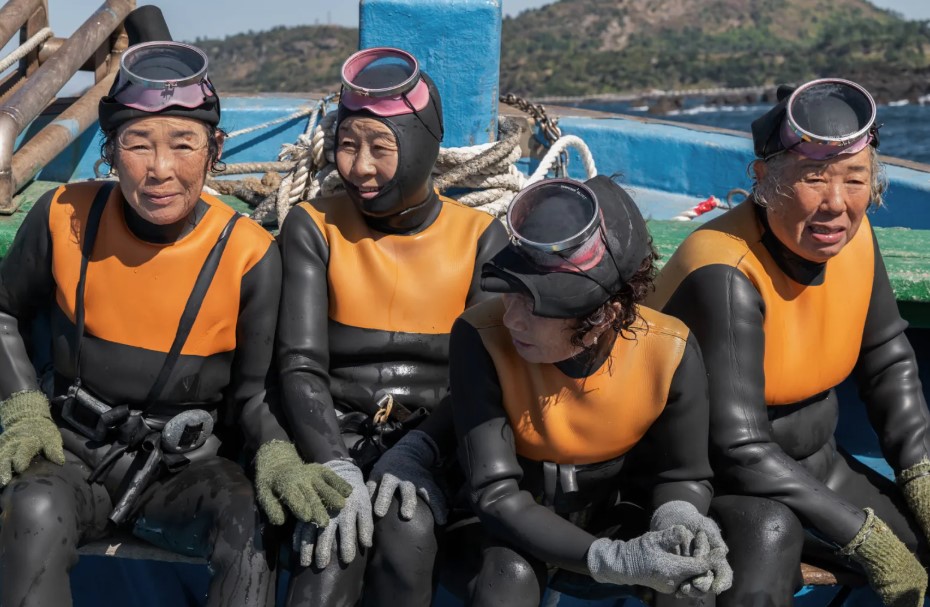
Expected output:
(787, 452)
(668, 463)
(327, 365)
(207, 509)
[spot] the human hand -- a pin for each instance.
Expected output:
(353, 525)
(915, 485)
(893, 572)
(407, 468)
(310, 491)
(28, 430)
(655, 559)
(708, 543)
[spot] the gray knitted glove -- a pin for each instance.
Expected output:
(653, 559)
(720, 576)
(353, 524)
(28, 430)
(407, 468)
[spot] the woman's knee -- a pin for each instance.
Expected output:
(509, 574)
(419, 530)
(765, 524)
(38, 508)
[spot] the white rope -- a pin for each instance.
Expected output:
(552, 156)
(305, 111)
(25, 48)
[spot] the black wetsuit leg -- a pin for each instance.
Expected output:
(47, 512)
(765, 540)
(402, 561)
(209, 509)
(338, 585)
(485, 571)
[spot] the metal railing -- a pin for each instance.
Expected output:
(95, 46)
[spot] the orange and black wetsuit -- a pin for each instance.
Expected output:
(549, 448)
(138, 281)
(367, 305)
(778, 333)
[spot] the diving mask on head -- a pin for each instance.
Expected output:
(384, 81)
(820, 119)
(157, 75)
(571, 244)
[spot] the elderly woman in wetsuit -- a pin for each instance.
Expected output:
(581, 414)
(373, 279)
(788, 295)
(139, 408)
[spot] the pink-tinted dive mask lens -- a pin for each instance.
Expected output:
(828, 117)
(557, 225)
(384, 81)
(157, 75)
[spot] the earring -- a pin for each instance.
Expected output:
(594, 343)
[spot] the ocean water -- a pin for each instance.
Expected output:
(905, 131)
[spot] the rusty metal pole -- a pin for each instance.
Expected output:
(61, 132)
(27, 102)
(14, 14)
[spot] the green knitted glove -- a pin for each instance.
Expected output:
(915, 484)
(893, 572)
(28, 429)
(310, 491)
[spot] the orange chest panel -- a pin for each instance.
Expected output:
(136, 291)
(813, 333)
(414, 283)
(594, 419)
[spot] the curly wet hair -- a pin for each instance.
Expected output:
(214, 165)
(630, 295)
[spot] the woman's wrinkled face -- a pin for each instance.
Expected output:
(366, 154)
(823, 203)
(162, 162)
(537, 339)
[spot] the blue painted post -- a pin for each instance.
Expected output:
(458, 43)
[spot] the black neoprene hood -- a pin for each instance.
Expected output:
(418, 137)
(147, 24)
(565, 294)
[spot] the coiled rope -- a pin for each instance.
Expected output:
(25, 48)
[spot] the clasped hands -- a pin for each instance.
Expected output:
(683, 553)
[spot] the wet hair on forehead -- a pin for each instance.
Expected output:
(783, 169)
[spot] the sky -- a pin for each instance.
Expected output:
(189, 19)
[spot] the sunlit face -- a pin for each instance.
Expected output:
(537, 339)
(366, 154)
(162, 166)
(823, 204)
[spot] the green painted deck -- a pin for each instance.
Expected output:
(906, 252)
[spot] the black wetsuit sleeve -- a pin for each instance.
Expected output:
(439, 424)
(303, 340)
(493, 239)
(725, 312)
(673, 452)
(249, 392)
(488, 458)
(886, 373)
(26, 285)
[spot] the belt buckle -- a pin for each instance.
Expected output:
(385, 407)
